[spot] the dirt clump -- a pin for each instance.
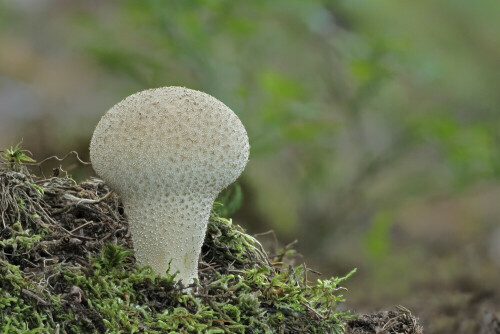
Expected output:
(400, 321)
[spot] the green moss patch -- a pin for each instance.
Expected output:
(67, 266)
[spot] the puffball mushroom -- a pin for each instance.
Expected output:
(168, 152)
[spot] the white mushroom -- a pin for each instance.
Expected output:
(168, 152)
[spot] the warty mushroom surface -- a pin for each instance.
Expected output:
(168, 152)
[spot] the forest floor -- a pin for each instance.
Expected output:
(67, 266)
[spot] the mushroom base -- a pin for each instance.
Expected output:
(168, 233)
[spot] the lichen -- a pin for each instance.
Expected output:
(67, 266)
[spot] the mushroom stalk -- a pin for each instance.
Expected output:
(168, 152)
(179, 226)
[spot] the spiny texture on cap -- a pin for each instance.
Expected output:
(168, 152)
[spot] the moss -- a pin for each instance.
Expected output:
(67, 266)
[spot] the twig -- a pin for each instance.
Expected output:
(86, 200)
(313, 311)
(60, 159)
(80, 227)
(33, 295)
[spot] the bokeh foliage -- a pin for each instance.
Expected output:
(333, 97)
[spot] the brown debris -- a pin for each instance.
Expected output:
(34, 296)
(77, 301)
(400, 321)
(81, 220)
(490, 323)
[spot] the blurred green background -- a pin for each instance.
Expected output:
(374, 125)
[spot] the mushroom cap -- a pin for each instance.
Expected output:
(171, 138)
